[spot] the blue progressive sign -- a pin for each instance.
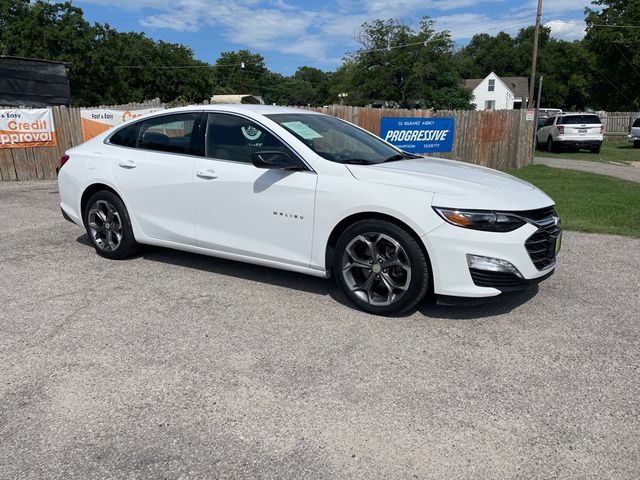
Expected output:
(418, 135)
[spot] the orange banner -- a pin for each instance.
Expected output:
(20, 128)
(97, 120)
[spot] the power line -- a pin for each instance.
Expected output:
(600, 25)
(625, 57)
(426, 42)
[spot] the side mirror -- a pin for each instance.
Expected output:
(274, 160)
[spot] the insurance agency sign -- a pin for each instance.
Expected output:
(418, 135)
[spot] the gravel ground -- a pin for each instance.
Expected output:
(625, 172)
(175, 366)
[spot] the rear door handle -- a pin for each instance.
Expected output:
(207, 174)
(127, 164)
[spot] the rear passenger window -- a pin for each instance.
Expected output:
(230, 137)
(169, 133)
(126, 136)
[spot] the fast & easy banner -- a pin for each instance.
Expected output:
(20, 128)
(97, 120)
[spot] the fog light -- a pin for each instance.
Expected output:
(491, 264)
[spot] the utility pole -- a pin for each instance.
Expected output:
(534, 60)
(537, 116)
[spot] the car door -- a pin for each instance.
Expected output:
(543, 132)
(155, 175)
(249, 211)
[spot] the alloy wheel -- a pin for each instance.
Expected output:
(105, 226)
(376, 268)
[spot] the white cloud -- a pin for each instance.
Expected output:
(465, 25)
(323, 31)
(566, 30)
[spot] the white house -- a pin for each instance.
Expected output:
(499, 93)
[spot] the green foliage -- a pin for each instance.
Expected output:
(398, 63)
(413, 66)
(97, 54)
(616, 54)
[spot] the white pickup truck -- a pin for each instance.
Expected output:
(571, 130)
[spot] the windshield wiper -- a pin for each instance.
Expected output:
(401, 156)
(357, 161)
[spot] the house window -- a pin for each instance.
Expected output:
(492, 85)
(490, 105)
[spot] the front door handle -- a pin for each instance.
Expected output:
(127, 164)
(207, 174)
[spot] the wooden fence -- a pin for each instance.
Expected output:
(496, 139)
(616, 124)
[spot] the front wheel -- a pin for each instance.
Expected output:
(108, 226)
(381, 267)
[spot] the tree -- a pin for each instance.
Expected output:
(404, 65)
(485, 54)
(565, 65)
(616, 54)
(99, 58)
(232, 77)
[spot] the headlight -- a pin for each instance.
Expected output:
(488, 221)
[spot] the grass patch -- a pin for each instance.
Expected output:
(588, 202)
(622, 152)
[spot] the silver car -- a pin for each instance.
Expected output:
(634, 133)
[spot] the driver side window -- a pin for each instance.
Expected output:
(230, 137)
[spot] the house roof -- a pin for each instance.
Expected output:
(518, 85)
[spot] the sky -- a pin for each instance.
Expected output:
(292, 33)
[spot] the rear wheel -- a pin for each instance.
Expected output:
(636, 144)
(551, 145)
(596, 149)
(108, 226)
(381, 267)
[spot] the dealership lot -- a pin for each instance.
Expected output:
(173, 365)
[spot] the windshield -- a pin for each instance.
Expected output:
(338, 141)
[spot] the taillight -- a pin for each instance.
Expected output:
(560, 129)
(601, 129)
(63, 159)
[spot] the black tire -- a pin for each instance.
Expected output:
(596, 149)
(552, 146)
(636, 144)
(108, 226)
(401, 273)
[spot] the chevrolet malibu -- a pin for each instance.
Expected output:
(310, 193)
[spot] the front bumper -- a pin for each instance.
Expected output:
(449, 245)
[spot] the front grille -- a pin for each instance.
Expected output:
(500, 280)
(541, 246)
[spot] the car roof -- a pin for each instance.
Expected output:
(241, 108)
(572, 114)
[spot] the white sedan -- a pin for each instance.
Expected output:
(310, 193)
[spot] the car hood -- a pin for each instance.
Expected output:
(456, 184)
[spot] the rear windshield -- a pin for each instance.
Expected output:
(636, 122)
(579, 120)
